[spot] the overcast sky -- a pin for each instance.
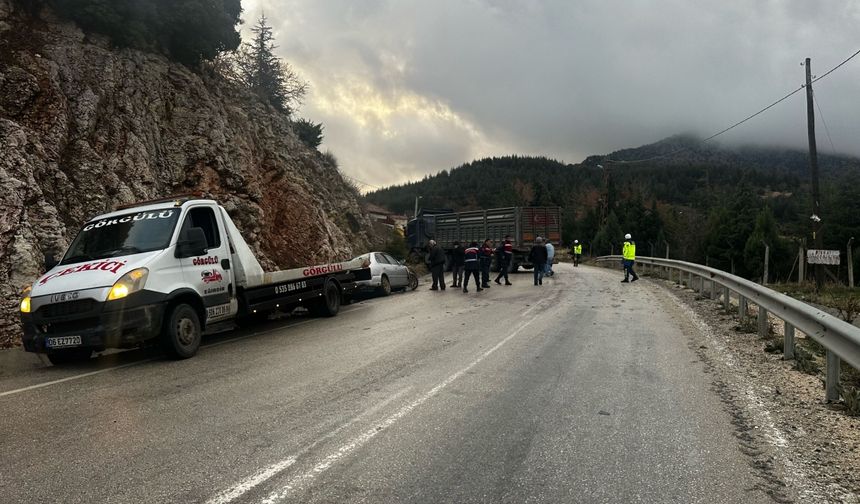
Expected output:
(411, 87)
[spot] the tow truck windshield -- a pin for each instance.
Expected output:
(123, 235)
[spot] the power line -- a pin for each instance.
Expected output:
(826, 129)
(359, 181)
(735, 125)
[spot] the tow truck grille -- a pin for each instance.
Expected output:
(67, 308)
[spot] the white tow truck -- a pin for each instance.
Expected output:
(163, 271)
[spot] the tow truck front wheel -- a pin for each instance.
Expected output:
(182, 335)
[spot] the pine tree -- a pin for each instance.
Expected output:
(269, 77)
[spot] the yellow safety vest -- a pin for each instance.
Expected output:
(629, 251)
(577, 249)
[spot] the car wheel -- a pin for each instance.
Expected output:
(413, 280)
(182, 335)
(385, 286)
(70, 356)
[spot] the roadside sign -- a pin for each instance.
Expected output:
(822, 257)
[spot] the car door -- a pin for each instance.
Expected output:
(398, 271)
(210, 274)
(384, 267)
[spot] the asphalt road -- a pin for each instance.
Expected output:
(582, 390)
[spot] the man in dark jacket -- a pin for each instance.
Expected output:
(486, 261)
(458, 257)
(504, 256)
(471, 266)
(537, 257)
(436, 259)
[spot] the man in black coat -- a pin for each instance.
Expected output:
(458, 258)
(436, 259)
(538, 257)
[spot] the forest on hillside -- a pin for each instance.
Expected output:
(709, 205)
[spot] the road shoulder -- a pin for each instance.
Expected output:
(801, 445)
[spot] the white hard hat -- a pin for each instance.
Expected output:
(575, 241)
(627, 236)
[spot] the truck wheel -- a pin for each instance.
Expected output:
(385, 286)
(413, 280)
(329, 303)
(182, 334)
(70, 356)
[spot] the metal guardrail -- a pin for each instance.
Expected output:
(841, 339)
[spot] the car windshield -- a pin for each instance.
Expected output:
(131, 233)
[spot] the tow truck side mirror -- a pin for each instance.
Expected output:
(192, 243)
(50, 262)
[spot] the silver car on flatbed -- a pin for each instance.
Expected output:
(387, 274)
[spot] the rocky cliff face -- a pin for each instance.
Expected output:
(84, 127)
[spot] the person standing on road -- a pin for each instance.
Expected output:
(537, 257)
(628, 253)
(576, 252)
(504, 256)
(471, 266)
(486, 261)
(458, 257)
(550, 255)
(437, 266)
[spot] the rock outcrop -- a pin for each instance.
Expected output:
(85, 127)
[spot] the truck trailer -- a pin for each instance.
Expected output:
(163, 271)
(523, 224)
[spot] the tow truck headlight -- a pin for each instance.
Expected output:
(131, 282)
(25, 302)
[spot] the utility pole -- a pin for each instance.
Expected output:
(415, 215)
(813, 168)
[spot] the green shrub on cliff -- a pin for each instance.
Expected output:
(187, 31)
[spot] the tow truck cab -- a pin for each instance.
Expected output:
(163, 270)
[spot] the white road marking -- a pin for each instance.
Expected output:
(237, 491)
(264, 475)
(303, 478)
(70, 378)
(130, 364)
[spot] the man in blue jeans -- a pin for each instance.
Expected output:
(537, 257)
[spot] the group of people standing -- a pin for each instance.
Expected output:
(475, 260)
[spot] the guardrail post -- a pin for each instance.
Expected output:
(690, 281)
(788, 342)
(713, 289)
(727, 300)
(762, 322)
(831, 384)
(742, 308)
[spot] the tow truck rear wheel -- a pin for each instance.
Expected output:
(329, 303)
(70, 356)
(182, 335)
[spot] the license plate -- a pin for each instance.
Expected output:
(63, 342)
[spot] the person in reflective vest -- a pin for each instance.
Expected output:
(628, 253)
(504, 256)
(471, 266)
(576, 252)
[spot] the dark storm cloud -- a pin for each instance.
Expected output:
(407, 88)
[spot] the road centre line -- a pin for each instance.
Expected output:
(305, 477)
(236, 491)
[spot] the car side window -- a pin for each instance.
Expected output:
(204, 218)
(392, 260)
(381, 259)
